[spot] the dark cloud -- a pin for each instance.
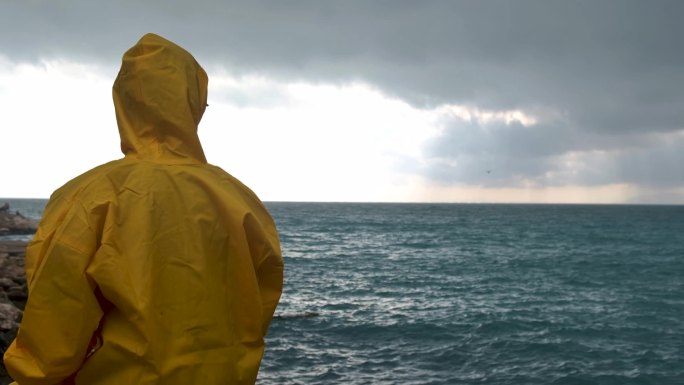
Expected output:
(498, 154)
(611, 70)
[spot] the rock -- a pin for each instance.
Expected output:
(12, 271)
(12, 293)
(17, 294)
(15, 223)
(12, 248)
(6, 283)
(12, 274)
(10, 317)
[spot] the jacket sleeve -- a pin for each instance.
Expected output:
(264, 247)
(62, 311)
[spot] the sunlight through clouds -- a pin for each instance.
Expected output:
(471, 114)
(62, 121)
(299, 141)
(323, 142)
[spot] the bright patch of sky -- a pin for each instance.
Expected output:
(320, 142)
(287, 141)
(311, 142)
(58, 121)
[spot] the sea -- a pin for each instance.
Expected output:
(505, 294)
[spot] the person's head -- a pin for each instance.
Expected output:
(160, 95)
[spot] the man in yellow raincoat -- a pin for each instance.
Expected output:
(157, 268)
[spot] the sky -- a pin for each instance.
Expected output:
(397, 101)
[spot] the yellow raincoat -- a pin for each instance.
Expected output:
(156, 268)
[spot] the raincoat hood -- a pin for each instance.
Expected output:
(160, 95)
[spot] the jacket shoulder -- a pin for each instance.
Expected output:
(76, 186)
(229, 181)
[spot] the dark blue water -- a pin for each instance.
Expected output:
(478, 294)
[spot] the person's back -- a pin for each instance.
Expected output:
(157, 268)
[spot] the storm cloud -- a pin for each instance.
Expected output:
(500, 154)
(603, 79)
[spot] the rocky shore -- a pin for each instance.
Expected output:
(13, 292)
